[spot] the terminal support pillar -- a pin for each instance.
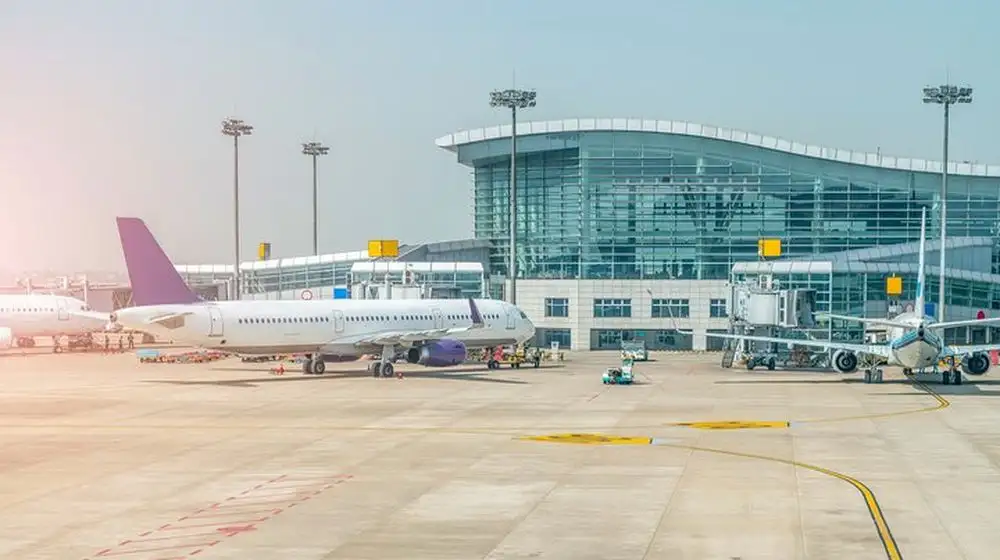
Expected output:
(944, 219)
(512, 266)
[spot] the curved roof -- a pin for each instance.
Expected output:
(452, 141)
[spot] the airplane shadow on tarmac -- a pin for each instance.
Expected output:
(969, 387)
(451, 375)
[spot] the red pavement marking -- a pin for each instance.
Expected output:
(227, 524)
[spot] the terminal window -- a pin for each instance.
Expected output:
(612, 308)
(675, 308)
(556, 307)
(717, 308)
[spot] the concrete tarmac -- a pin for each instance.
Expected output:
(103, 457)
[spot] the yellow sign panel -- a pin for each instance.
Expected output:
(378, 248)
(732, 425)
(591, 439)
(264, 251)
(894, 285)
(769, 247)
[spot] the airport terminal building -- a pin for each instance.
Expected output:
(631, 229)
(634, 229)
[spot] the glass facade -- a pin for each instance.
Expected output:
(634, 204)
(655, 339)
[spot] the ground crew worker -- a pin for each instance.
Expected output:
(107, 344)
(131, 341)
(121, 344)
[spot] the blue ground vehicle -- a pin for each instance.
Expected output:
(619, 375)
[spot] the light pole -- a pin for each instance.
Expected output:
(513, 99)
(946, 95)
(315, 149)
(236, 128)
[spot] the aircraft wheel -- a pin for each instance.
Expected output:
(319, 367)
(956, 378)
(387, 369)
(771, 364)
(376, 369)
(307, 367)
(868, 376)
(946, 377)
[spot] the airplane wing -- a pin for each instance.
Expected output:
(969, 322)
(864, 320)
(409, 336)
(871, 349)
(950, 351)
(94, 315)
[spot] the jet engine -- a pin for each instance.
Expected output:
(845, 361)
(440, 353)
(976, 364)
(6, 338)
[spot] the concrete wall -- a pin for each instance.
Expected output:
(531, 295)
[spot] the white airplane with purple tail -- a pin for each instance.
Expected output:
(430, 332)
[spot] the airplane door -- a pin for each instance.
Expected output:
(61, 310)
(438, 319)
(511, 318)
(338, 321)
(215, 325)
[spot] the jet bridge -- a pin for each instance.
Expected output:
(760, 308)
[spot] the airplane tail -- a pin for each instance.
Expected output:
(477, 317)
(919, 307)
(154, 279)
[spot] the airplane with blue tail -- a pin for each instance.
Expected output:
(916, 341)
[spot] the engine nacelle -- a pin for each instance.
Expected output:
(440, 353)
(845, 361)
(6, 338)
(976, 364)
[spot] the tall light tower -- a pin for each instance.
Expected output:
(315, 149)
(513, 99)
(236, 128)
(946, 95)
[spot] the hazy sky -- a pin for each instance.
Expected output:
(113, 107)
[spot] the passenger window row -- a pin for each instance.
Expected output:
(27, 310)
(274, 320)
(354, 319)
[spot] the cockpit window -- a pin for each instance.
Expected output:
(523, 316)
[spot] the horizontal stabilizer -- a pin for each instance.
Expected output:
(165, 319)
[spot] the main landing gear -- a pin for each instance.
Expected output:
(951, 375)
(384, 367)
(25, 342)
(873, 375)
(314, 364)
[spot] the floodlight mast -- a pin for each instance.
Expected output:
(236, 128)
(315, 149)
(513, 99)
(946, 95)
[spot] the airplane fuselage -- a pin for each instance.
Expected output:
(916, 347)
(295, 326)
(26, 316)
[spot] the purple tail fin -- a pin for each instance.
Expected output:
(154, 279)
(477, 318)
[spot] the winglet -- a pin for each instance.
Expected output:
(154, 278)
(477, 318)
